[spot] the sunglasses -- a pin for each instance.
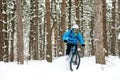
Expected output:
(75, 29)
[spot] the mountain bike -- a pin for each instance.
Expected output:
(74, 58)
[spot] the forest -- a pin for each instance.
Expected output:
(33, 29)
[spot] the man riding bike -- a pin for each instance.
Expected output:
(73, 37)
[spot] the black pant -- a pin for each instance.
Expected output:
(69, 46)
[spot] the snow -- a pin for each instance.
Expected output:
(119, 36)
(58, 70)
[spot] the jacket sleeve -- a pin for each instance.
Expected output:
(65, 36)
(80, 38)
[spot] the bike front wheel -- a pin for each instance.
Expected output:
(75, 61)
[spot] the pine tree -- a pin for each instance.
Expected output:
(5, 32)
(63, 17)
(20, 45)
(105, 29)
(1, 33)
(119, 26)
(12, 34)
(48, 19)
(100, 55)
(113, 35)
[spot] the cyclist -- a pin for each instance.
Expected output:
(73, 37)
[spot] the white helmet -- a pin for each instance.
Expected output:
(75, 26)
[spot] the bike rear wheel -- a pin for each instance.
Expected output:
(75, 61)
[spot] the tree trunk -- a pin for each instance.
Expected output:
(12, 34)
(35, 25)
(44, 39)
(40, 41)
(31, 36)
(49, 50)
(113, 35)
(63, 17)
(1, 33)
(92, 37)
(78, 21)
(77, 12)
(81, 22)
(20, 45)
(105, 29)
(5, 32)
(55, 26)
(69, 14)
(100, 56)
(33, 44)
(119, 26)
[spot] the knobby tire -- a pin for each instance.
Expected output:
(75, 57)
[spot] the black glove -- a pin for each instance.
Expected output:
(65, 41)
(83, 45)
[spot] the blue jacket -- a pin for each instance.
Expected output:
(72, 38)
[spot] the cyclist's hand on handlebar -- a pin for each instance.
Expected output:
(65, 41)
(83, 45)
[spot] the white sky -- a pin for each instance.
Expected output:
(58, 70)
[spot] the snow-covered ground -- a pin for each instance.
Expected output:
(58, 70)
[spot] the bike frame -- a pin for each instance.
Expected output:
(74, 54)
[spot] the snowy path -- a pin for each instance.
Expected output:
(58, 70)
